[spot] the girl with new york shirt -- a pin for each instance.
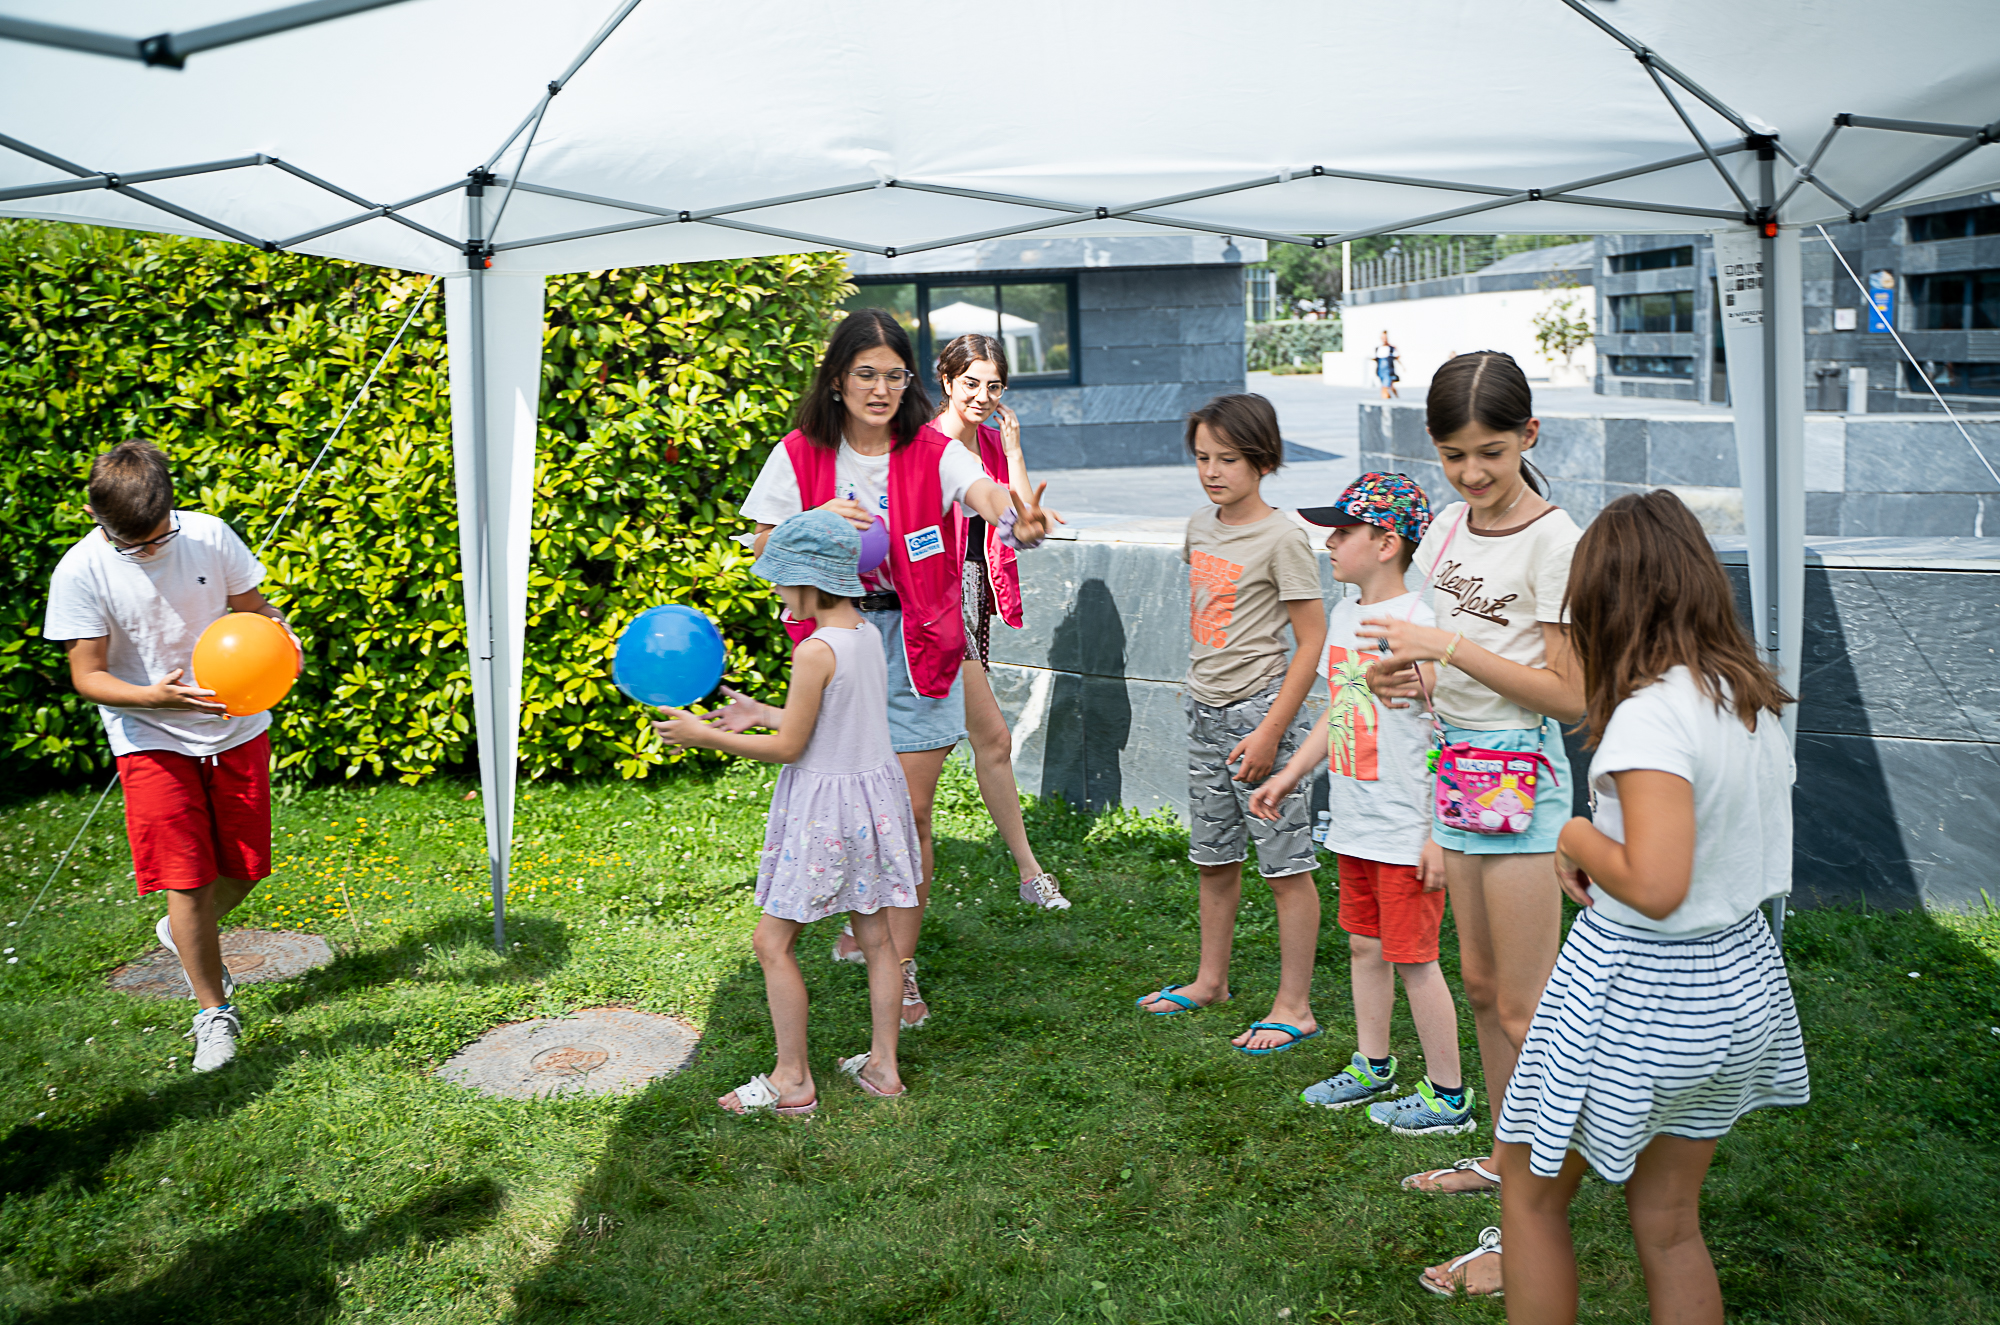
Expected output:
(1506, 680)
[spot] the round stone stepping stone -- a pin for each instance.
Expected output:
(598, 1051)
(253, 956)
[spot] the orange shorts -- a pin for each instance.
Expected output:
(1387, 902)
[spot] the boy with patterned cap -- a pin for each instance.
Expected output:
(1391, 877)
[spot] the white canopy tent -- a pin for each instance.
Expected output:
(665, 131)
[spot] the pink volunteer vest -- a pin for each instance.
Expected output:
(927, 582)
(1003, 575)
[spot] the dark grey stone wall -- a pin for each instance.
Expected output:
(1898, 724)
(1155, 344)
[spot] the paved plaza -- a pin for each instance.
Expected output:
(1321, 421)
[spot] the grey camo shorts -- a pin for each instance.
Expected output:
(1220, 825)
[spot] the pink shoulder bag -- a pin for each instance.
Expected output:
(1479, 790)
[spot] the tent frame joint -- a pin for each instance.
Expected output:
(158, 52)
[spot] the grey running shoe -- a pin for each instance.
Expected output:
(215, 1033)
(1042, 893)
(1424, 1114)
(164, 931)
(1357, 1083)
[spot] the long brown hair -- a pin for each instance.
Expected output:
(1647, 594)
(1484, 387)
(821, 415)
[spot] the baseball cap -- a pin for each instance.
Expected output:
(1388, 501)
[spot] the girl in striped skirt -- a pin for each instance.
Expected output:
(1669, 1014)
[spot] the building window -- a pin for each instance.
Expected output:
(1958, 379)
(1960, 223)
(1652, 259)
(1260, 294)
(1651, 365)
(1652, 314)
(1034, 318)
(1955, 301)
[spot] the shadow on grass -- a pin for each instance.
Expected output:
(78, 1149)
(281, 1264)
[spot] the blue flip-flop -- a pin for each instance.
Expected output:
(1182, 1004)
(1298, 1037)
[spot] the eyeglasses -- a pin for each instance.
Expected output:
(895, 379)
(135, 550)
(991, 390)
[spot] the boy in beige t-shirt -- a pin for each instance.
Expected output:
(1251, 572)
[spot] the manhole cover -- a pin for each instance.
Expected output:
(253, 956)
(599, 1051)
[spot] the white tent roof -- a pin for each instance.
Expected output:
(694, 108)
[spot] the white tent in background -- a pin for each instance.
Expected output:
(1021, 337)
(499, 141)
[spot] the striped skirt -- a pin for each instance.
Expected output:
(1638, 1037)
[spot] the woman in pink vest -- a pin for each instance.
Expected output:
(972, 370)
(864, 449)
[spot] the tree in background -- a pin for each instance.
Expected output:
(1314, 273)
(1560, 328)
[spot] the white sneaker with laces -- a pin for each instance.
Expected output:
(164, 931)
(215, 1033)
(1042, 893)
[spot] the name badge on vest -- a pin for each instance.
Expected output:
(924, 543)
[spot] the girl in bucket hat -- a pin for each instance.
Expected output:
(841, 837)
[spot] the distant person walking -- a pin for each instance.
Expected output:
(1385, 368)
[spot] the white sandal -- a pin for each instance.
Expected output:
(758, 1094)
(858, 957)
(1463, 1165)
(1489, 1244)
(852, 1066)
(912, 997)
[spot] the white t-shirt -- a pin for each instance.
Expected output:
(152, 612)
(1379, 794)
(774, 497)
(1742, 800)
(1498, 586)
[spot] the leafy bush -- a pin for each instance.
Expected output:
(663, 388)
(1289, 343)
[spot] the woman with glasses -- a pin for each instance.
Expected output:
(972, 371)
(864, 449)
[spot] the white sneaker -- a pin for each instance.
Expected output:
(164, 931)
(1042, 893)
(215, 1033)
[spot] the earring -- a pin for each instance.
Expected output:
(836, 395)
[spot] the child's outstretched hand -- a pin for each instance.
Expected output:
(1031, 520)
(740, 714)
(684, 729)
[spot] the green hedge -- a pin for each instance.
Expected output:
(663, 388)
(1289, 343)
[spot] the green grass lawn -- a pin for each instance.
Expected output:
(1059, 1158)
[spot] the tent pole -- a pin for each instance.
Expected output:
(1767, 244)
(480, 626)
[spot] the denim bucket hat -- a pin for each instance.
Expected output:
(813, 547)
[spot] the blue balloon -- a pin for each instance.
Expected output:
(668, 657)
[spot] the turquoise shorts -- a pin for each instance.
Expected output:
(1552, 808)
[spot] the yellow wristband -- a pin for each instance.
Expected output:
(1449, 649)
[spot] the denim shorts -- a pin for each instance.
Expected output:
(1552, 808)
(917, 722)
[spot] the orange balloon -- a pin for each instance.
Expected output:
(248, 660)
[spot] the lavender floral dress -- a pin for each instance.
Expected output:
(841, 835)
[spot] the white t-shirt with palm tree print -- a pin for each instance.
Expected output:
(1379, 794)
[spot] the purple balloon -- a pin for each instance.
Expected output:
(874, 546)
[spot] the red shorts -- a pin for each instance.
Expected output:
(192, 821)
(1387, 902)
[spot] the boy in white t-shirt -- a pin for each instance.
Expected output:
(1391, 879)
(128, 602)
